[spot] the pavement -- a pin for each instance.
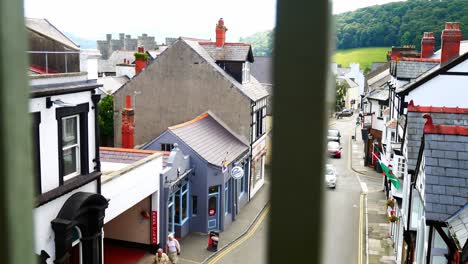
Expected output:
(378, 244)
(193, 246)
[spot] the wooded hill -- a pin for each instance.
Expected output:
(393, 24)
(400, 23)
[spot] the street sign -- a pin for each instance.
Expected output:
(237, 172)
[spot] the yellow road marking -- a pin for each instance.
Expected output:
(249, 234)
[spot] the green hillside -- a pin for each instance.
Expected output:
(363, 56)
(399, 23)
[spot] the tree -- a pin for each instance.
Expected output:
(340, 94)
(106, 120)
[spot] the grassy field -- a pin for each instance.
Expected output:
(364, 56)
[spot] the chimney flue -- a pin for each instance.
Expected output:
(427, 45)
(451, 37)
(128, 126)
(140, 60)
(220, 33)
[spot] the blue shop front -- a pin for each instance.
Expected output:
(205, 180)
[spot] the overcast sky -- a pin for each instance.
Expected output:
(92, 19)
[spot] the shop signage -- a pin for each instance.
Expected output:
(237, 172)
(224, 167)
(154, 227)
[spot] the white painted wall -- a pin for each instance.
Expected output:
(43, 215)
(129, 70)
(376, 123)
(57, 78)
(130, 187)
(48, 136)
(352, 94)
(357, 75)
(443, 90)
(89, 62)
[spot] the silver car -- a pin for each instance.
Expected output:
(330, 176)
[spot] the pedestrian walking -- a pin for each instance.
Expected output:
(172, 249)
(161, 257)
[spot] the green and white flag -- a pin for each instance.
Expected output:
(384, 165)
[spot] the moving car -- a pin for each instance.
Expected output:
(333, 135)
(346, 112)
(330, 176)
(334, 149)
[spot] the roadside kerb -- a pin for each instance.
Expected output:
(239, 237)
(363, 211)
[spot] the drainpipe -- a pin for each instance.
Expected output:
(252, 105)
(95, 98)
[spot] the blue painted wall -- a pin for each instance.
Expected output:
(204, 176)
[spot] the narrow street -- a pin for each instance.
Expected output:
(341, 215)
(341, 242)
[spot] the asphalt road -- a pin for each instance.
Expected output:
(341, 213)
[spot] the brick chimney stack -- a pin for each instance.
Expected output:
(451, 37)
(140, 62)
(128, 125)
(427, 45)
(220, 33)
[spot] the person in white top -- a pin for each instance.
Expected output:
(172, 249)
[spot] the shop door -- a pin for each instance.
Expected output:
(213, 208)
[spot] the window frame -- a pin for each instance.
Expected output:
(82, 111)
(75, 146)
(36, 122)
(178, 200)
(245, 72)
(167, 147)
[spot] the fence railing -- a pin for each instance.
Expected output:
(46, 57)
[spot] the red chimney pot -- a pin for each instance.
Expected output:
(427, 45)
(451, 38)
(128, 124)
(220, 33)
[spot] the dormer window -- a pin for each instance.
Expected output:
(246, 72)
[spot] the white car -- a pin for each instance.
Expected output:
(330, 176)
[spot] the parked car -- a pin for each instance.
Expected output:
(346, 112)
(334, 135)
(334, 149)
(330, 176)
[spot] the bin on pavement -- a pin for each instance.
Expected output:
(213, 239)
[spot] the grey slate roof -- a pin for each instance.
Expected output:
(115, 58)
(44, 27)
(376, 65)
(211, 139)
(415, 131)
(112, 83)
(446, 170)
(379, 95)
(121, 157)
(254, 90)
(229, 52)
(411, 69)
(262, 69)
(127, 157)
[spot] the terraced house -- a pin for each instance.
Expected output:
(193, 76)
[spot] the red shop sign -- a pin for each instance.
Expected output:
(154, 227)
